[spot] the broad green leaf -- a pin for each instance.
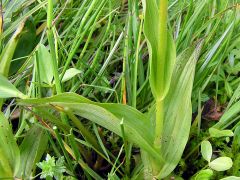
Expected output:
(106, 115)
(31, 150)
(178, 110)
(70, 73)
(206, 150)
(45, 66)
(204, 175)
(9, 151)
(221, 164)
(231, 178)
(220, 133)
(8, 52)
(6, 170)
(8, 90)
(161, 47)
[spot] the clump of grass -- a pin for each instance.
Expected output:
(109, 88)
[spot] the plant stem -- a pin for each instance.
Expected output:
(163, 13)
(52, 46)
(54, 62)
(159, 124)
(135, 70)
(162, 47)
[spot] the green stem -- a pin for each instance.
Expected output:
(162, 48)
(54, 62)
(163, 13)
(135, 75)
(50, 14)
(159, 123)
(52, 46)
(123, 87)
(162, 34)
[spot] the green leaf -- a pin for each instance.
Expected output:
(231, 178)
(8, 52)
(228, 116)
(237, 136)
(177, 118)
(31, 150)
(204, 175)
(106, 115)
(50, 168)
(47, 167)
(25, 46)
(161, 47)
(11, 7)
(45, 66)
(206, 150)
(221, 164)
(8, 90)
(220, 133)
(70, 73)
(9, 151)
(228, 89)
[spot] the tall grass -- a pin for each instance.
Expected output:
(108, 88)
